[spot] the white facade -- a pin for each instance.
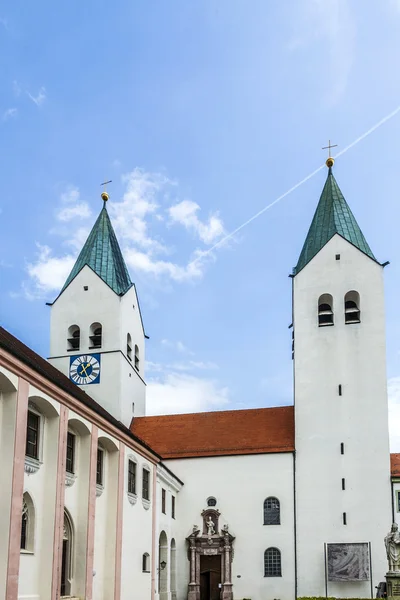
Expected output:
(351, 356)
(122, 389)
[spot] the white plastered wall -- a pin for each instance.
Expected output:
(353, 356)
(240, 484)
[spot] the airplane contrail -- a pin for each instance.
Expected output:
(297, 185)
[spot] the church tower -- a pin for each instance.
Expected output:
(342, 479)
(96, 333)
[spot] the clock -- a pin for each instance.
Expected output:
(85, 369)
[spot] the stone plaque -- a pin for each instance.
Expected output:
(396, 588)
(348, 562)
(210, 551)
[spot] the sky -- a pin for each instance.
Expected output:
(202, 114)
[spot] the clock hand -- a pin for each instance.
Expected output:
(84, 368)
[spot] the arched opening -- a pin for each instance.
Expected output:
(172, 563)
(325, 310)
(163, 566)
(272, 511)
(74, 338)
(129, 346)
(27, 524)
(146, 562)
(95, 336)
(136, 357)
(272, 563)
(352, 307)
(67, 556)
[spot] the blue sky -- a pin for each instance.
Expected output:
(201, 113)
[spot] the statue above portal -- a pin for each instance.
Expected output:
(210, 526)
(392, 544)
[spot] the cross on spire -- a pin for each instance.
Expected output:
(104, 194)
(329, 163)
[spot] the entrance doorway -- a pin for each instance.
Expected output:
(210, 577)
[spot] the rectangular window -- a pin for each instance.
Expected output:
(173, 507)
(100, 465)
(163, 501)
(342, 448)
(398, 501)
(146, 485)
(343, 483)
(344, 519)
(340, 389)
(131, 477)
(70, 464)
(32, 435)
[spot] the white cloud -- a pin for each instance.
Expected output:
(9, 114)
(185, 213)
(181, 393)
(194, 365)
(135, 219)
(39, 98)
(176, 345)
(16, 88)
(394, 413)
(72, 207)
(48, 273)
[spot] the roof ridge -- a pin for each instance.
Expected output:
(210, 412)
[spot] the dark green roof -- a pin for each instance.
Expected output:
(333, 215)
(102, 253)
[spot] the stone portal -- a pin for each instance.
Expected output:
(210, 555)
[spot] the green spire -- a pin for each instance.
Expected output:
(102, 253)
(333, 215)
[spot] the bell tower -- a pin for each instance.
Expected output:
(342, 478)
(97, 337)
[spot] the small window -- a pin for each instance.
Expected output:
(341, 448)
(272, 511)
(146, 485)
(27, 523)
(74, 338)
(100, 467)
(343, 483)
(146, 563)
(398, 501)
(136, 357)
(131, 477)
(272, 563)
(325, 310)
(129, 346)
(173, 507)
(32, 435)
(352, 307)
(95, 336)
(70, 463)
(344, 519)
(163, 501)
(211, 501)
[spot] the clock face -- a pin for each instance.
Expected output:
(85, 369)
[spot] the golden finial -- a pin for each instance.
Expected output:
(329, 161)
(104, 194)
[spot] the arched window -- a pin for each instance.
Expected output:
(95, 335)
(272, 563)
(74, 337)
(136, 357)
(146, 563)
(27, 523)
(272, 511)
(352, 307)
(129, 346)
(325, 310)
(67, 556)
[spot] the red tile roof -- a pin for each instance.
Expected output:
(222, 433)
(395, 465)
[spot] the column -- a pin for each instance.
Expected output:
(59, 512)
(91, 514)
(17, 491)
(118, 542)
